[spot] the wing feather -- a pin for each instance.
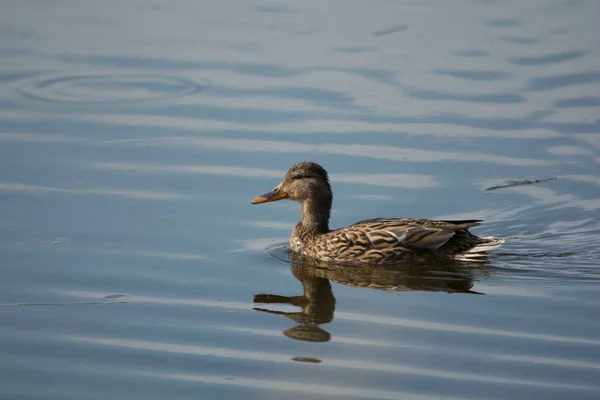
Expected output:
(411, 237)
(391, 239)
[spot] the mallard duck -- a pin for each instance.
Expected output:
(373, 241)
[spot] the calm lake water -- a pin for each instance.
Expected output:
(133, 135)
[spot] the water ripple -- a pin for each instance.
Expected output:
(339, 363)
(106, 88)
(561, 81)
(547, 58)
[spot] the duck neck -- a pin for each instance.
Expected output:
(315, 215)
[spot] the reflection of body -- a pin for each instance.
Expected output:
(318, 301)
(375, 241)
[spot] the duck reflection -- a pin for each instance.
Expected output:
(317, 303)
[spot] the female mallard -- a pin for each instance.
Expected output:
(373, 241)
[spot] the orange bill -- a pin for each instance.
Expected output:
(273, 195)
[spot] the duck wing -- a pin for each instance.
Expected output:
(413, 234)
(387, 240)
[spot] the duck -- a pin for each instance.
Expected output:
(372, 241)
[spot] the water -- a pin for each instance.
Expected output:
(134, 135)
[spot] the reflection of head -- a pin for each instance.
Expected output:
(308, 333)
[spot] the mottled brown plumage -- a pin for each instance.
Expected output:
(374, 241)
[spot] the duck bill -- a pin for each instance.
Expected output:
(274, 195)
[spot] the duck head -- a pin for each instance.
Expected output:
(305, 181)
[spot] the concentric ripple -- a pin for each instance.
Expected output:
(277, 253)
(92, 89)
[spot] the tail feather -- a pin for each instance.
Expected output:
(487, 243)
(474, 257)
(478, 253)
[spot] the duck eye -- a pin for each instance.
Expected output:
(296, 176)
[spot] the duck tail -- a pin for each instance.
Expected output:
(479, 252)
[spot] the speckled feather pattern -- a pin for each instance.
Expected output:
(374, 241)
(389, 240)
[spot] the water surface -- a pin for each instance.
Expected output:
(134, 135)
